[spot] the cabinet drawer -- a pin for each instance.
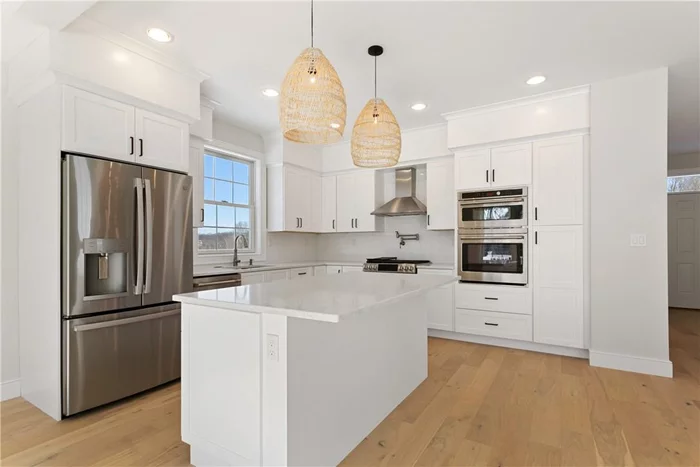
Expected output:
(302, 272)
(503, 299)
(486, 323)
(278, 275)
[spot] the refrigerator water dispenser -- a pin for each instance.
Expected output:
(106, 268)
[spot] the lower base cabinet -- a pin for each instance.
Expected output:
(252, 278)
(441, 308)
(280, 275)
(494, 324)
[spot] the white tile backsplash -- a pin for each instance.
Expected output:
(289, 247)
(436, 246)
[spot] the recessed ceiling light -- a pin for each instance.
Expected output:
(269, 92)
(419, 106)
(335, 125)
(159, 35)
(536, 80)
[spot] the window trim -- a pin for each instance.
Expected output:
(253, 248)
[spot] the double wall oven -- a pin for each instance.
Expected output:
(493, 236)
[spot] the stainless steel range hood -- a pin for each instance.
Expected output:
(405, 203)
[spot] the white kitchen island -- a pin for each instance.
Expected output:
(299, 372)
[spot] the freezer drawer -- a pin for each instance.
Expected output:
(108, 357)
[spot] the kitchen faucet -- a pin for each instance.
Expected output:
(237, 261)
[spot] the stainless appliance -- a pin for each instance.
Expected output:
(493, 256)
(493, 209)
(393, 264)
(126, 250)
(216, 282)
(405, 203)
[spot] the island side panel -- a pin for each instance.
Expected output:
(221, 385)
(344, 378)
(274, 390)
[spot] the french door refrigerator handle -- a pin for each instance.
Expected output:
(121, 322)
(138, 287)
(149, 236)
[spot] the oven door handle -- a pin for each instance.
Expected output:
(491, 202)
(499, 237)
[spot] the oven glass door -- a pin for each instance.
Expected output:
(499, 260)
(492, 215)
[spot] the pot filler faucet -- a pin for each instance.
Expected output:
(237, 261)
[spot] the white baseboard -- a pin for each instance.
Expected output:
(9, 389)
(510, 343)
(649, 366)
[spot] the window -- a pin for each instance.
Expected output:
(228, 203)
(683, 183)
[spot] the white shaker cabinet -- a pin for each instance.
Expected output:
(472, 169)
(511, 165)
(441, 202)
(289, 199)
(441, 310)
(356, 199)
(196, 171)
(334, 269)
(278, 275)
(558, 181)
(161, 141)
(96, 125)
(352, 268)
(328, 204)
(297, 273)
(252, 278)
(558, 285)
(493, 168)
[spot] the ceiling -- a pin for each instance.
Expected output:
(450, 55)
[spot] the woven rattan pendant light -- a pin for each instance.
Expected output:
(376, 136)
(312, 98)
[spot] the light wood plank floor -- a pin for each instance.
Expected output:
(480, 405)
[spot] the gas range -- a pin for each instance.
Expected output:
(393, 264)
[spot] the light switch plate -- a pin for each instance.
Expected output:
(639, 240)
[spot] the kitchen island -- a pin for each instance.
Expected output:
(299, 372)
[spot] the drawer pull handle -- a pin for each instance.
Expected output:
(491, 324)
(301, 273)
(490, 298)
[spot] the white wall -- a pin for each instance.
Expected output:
(688, 163)
(237, 136)
(629, 286)
(9, 313)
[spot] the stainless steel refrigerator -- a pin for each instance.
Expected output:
(126, 250)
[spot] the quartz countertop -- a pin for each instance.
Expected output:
(202, 270)
(327, 298)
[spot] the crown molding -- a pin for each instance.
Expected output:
(537, 98)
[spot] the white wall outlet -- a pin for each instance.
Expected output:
(638, 240)
(273, 347)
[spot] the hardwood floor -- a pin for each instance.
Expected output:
(480, 405)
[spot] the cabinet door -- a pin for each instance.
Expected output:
(345, 203)
(472, 170)
(511, 165)
(441, 303)
(196, 171)
(252, 278)
(352, 268)
(442, 211)
(364, 193)
(96, 125)
(280, 275)
(558, 286)
(295, 191)
(558, 181)
(328, 204)
(316, 205)
(298, 273)
(161, 141)
(334, 269)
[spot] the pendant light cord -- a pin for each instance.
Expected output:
(312, 23)
(375, 77)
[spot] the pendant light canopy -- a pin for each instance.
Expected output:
(312, 99)
(376, 136)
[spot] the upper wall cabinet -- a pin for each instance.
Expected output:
(162, 141)
(329, 222)
(491, 168)
(290, 199)
(356, 199)
(107, 128)
(558, 181)
(96, 125)
(196, 171)
(441, 198)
